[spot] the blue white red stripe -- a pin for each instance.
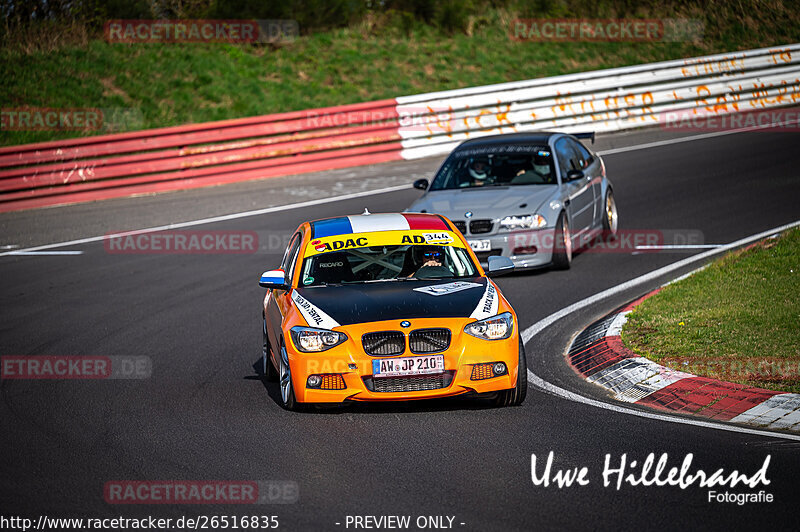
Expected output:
(370, 223)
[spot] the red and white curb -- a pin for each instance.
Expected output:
(598, 355)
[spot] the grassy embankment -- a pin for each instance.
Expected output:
(738, 320)
(378, 56)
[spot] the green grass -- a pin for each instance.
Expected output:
(737, 320)
(166, 85)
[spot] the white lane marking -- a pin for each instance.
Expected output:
(225, 217)
(712, 134)
(685, 275)
(40, 253)
(539, 326)
(537, 381)
(681, 246)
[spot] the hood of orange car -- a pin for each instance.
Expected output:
(397, 299)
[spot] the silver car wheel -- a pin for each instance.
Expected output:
(285, 377)
(611, 213)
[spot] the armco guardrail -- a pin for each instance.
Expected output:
(197, 155)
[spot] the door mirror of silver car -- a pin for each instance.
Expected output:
(500, 265)
(273, 279)
(572, 175)
(421, 184)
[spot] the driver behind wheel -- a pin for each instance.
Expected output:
(431, 261)
(478, 171)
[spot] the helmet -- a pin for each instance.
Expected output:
(478, 169)
(541, 164)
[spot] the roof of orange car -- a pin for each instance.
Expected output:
(368, 223)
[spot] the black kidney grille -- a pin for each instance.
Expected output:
(429, 340)
(461, 226)
(384, 343)
(477, 227)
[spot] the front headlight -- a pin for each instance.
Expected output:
(495, 328)
(530, 221)
(310, 340)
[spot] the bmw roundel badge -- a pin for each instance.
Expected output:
(405, 324)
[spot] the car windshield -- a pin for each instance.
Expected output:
(384, 263)
(496, 166)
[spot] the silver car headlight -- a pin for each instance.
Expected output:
(495, 328)
(310, 340)
(529, 221)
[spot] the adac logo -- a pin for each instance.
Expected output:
(336, 245)
(413, 239)
(428, 238)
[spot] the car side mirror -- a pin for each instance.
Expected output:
(500, 265)
(421, 184)
(572, 175)
(273, 279)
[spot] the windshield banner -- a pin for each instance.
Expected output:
(382, 238)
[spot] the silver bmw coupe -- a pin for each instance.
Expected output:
(532, 197)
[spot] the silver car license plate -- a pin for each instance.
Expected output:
(480, 245)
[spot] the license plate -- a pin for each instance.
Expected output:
(480, 245)
(399, 367)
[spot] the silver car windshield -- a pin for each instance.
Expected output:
(503, 167)
(384, 263)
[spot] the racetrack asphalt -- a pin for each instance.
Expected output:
(205, 413)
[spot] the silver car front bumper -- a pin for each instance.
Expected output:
(527, 249)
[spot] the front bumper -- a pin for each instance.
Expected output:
(526, 249)
(355, 366)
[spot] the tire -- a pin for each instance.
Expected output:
(515, 396)
(287, 398)
(610, 216)
(268, 370)
(562, 244)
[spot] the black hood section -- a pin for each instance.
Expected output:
(393, 300)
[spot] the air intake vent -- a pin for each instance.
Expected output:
(409, 384)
